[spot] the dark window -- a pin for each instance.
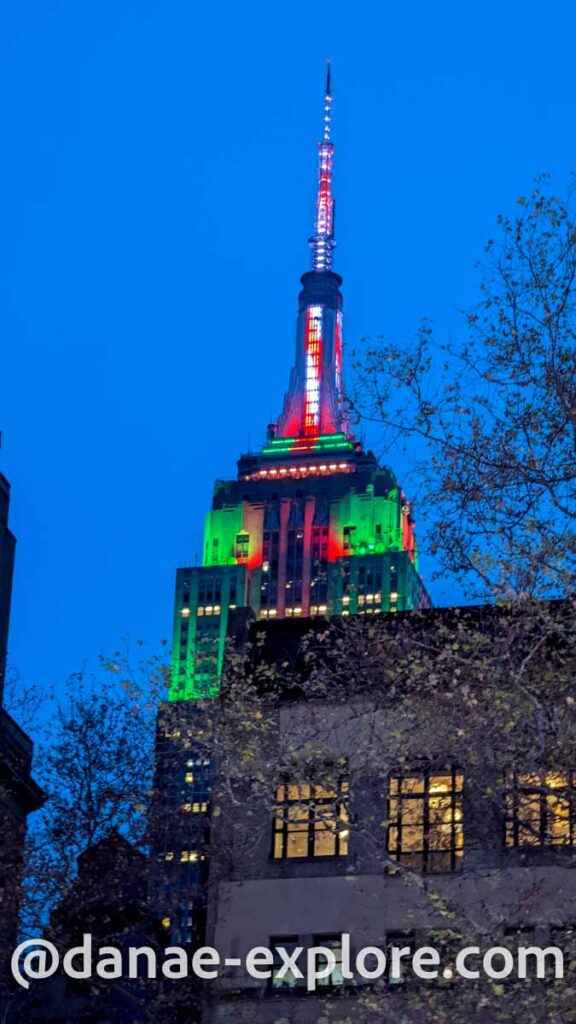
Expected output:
(398, 967)
(334, 943)
(288, 979)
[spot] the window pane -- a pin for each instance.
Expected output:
(414, 784)
(324, 842)
(297, 844)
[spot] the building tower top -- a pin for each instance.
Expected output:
(314, 403)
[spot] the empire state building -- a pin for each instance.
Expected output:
(312, 525)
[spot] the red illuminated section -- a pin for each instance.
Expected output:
(408, 536)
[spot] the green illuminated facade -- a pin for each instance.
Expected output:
(296, 537)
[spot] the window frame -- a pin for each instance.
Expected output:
(539, 792)
(312, 824)
(397, 824)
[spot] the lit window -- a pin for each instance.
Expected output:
(311, 820)
(426, 830)
(185, 613)
(541, 809)
(189, 777)
(165, 922)
(169, 856)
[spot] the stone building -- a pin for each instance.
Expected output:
(407, 781)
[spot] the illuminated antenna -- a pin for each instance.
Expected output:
(322, 241)
(327, 105)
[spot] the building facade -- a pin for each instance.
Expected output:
(417, 803)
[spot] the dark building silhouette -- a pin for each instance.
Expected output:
(19, 794)
(109, 902)
(7, 546)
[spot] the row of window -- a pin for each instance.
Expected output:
(397, 970)
(425, 817)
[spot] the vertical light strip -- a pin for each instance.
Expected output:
(313, 371)
(338, 357)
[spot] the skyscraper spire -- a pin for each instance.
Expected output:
(322, 241)
(313, 405)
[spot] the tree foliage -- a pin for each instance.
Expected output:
(496, 412)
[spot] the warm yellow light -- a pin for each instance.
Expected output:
(185, 613)
(165, 922)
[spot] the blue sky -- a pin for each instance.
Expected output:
(156, 195)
